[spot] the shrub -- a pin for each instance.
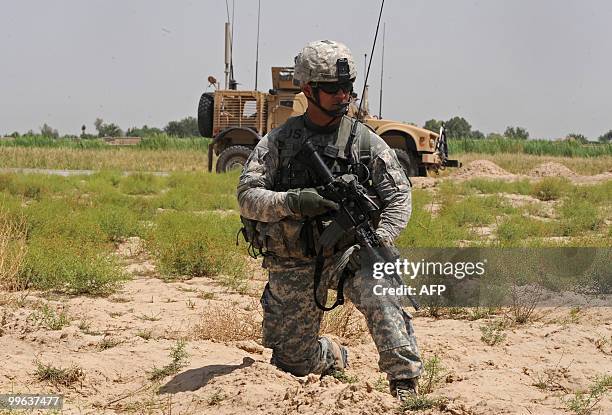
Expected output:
(578, 216)
(71, 267)
(550, 188)
(198, 245)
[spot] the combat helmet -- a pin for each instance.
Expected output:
(322, 63)
(325, 61)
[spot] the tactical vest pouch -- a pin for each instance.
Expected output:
(282, 239)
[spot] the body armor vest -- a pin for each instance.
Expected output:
(293, 174)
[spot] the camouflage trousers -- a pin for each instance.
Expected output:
(292, 320)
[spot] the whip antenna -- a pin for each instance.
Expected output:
(349, 145)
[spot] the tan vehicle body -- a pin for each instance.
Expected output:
(238, 119)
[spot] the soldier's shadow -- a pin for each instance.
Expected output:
(194, 379)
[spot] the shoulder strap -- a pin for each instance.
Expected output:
(365, 149)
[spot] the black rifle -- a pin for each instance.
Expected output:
(355, 215)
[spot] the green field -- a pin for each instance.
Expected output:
(61, 233)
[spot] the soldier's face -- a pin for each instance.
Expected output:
(331, 101)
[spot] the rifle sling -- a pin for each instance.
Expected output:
(320, 262)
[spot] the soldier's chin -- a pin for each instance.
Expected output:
(340, 109)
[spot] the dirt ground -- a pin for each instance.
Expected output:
(115, 343)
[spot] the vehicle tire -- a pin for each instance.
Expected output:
(409, 162)
(232, 158)
(205, 114)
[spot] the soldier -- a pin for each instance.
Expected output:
(284, 216)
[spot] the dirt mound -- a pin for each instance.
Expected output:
(478, 168)
(552, 169)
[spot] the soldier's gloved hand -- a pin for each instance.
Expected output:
(307, 202)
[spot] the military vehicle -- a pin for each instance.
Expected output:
(237, 120)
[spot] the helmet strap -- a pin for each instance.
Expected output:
(334, 114)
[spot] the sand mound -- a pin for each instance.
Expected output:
(552, 169)
(482, 168)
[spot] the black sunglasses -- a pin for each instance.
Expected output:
(333, 87)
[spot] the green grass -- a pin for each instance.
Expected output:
(200, 191)
(197, 245)
(533, 147)
(155, 142)
(65, 266)
(140, 184)
(513, 230)
(487, 186)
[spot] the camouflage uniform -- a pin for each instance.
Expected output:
(291, 318)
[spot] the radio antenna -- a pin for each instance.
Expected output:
(349, 145)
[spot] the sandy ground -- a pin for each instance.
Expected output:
(488, 170)
(567, 350)
(117, 341)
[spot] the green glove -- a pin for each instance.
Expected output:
(308, 203)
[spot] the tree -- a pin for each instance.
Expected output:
(477, 135)
(606, 138)
(516, 133)
(144, 131)
(577, 137)
(458, 127)
(187, 127)
(47, 131)
(495, 136)
(107, 130)
(433, 125)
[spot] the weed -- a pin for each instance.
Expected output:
(117, 299)
(58, 376)
(549, 380)
(13, 250)
(217, 397)
(381, 384)
(584, 402)
(50, 318)
(179, 359)
(115, 314)
(190, 304)
(345, 322)
(147, 317)
(225, 324)
(579, 216)
(493, 332)
(199, 245)
(344, 377)
(144, 334)
(206, 296)
(433, 374)
(574, 314)
(421, 403)
(71, 267)
(108, 343)
(524, 302)
(551, 188)
(140, 184)
(84, 325)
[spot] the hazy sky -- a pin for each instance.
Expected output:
(544, 65)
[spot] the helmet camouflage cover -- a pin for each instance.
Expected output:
(324, 61)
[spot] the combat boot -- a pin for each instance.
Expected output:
(335, 355)
(403, 389)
